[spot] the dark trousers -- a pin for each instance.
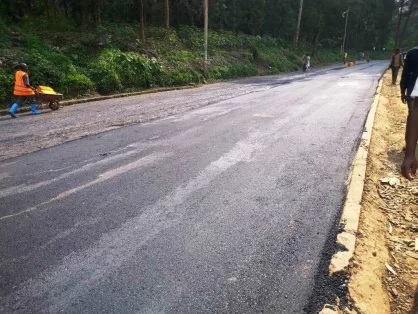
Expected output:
(395, 71)
(22, 99)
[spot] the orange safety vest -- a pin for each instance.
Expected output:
(20, 87)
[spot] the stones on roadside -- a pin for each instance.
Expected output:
(398, 201)
(394, 257)
(392, 181)
(330, 309)
(350, 311)
(412, 254)
(394, 292)
(389, 268)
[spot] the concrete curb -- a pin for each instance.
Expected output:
(350, 217)
(346, 239)
(91, 99)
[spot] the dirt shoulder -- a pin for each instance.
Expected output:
(384, 271)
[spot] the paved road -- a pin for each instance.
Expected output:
(223, 209)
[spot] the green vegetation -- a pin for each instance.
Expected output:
(113, 59)
(88, 47)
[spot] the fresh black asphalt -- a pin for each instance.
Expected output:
(223, 209)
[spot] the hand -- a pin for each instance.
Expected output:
(403, 98)
(409, 167)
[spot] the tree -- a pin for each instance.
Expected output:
(298, 24)
(411, 8)
(141, 18)
(167, 13)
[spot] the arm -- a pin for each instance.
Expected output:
(26, 82)
(409, 164)
(404, 79)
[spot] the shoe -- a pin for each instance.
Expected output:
(34, 109)
(13, 110)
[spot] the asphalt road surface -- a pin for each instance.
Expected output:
(226, 208)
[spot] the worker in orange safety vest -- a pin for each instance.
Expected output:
(23, 91)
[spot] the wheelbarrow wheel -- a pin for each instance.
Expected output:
(54, 105)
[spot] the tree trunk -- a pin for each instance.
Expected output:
(398, 26)
(298, 25)
(411, 10)
(97, 12)
(318, 33)
(46, 7)
(234, 16)
(141, 13)
(167, 14)
(206, 29)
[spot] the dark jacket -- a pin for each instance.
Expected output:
(400, 59)
(410, 71)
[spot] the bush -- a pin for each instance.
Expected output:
(176, 78)
(238, 69)
(43, 69)
(6, 87)
(5, 38)
(217, 72)
(115, 71)
(107, 81)
(78, 60)
(77, 84)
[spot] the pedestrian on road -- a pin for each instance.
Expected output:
(23, 91)
(408, 80)
(306, 59)
(395, 64)
(345, 57)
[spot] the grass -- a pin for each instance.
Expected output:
(79, 61)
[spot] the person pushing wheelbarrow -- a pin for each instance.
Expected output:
(23, 91)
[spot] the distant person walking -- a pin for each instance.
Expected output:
(395, 64)
(345, 57)
(306, 59)
(23, 91)
(408, 80)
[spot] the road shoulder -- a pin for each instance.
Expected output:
(382, 270)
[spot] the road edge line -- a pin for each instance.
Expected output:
(350, 218)
(70, 102)
(349, 222)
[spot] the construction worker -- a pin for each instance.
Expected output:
(23, 91)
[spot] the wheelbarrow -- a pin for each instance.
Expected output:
(45, 94)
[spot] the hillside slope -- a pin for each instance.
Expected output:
(111, 59)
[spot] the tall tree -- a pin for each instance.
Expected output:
(167, 13)
(142, 18)
(298, 24)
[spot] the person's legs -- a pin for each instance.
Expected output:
(395, 71)
(19, 101)
(33, 106)
(15, 106)
(411, 105)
